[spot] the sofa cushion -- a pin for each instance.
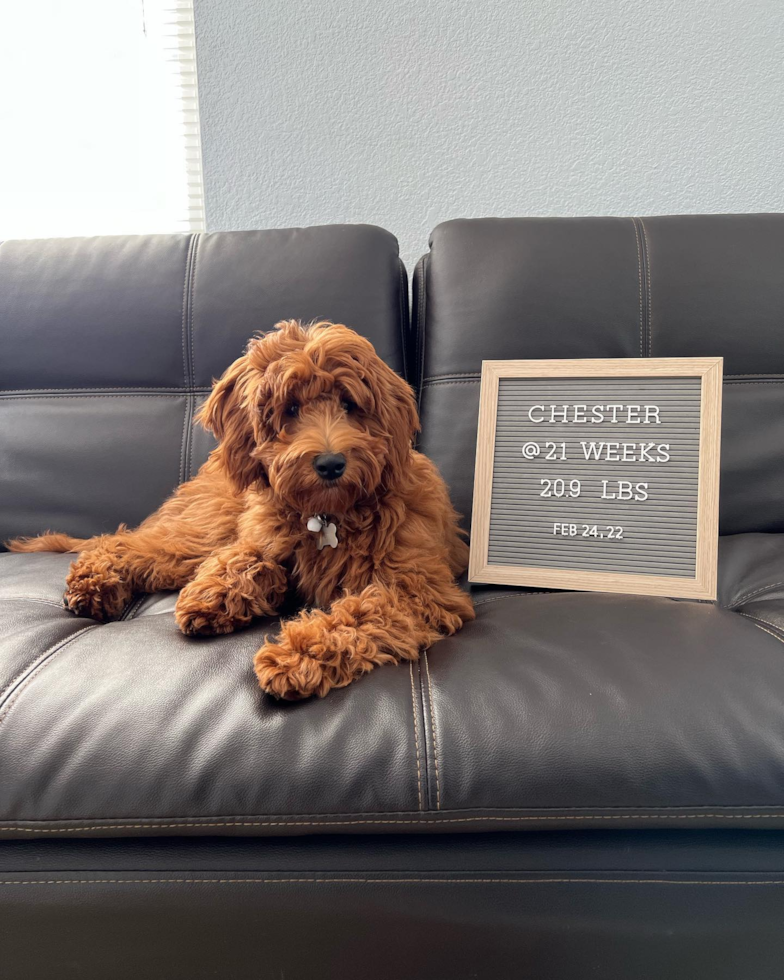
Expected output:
(110, 344)
(552, 708)
(678, 286)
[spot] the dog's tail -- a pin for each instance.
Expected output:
(47, 542)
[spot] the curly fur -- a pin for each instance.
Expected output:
(234, 538)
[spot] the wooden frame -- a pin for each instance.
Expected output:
(703, 584)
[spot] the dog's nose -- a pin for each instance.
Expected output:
(330, 466)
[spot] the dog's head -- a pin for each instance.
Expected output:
(315, 414)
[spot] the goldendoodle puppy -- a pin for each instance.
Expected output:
(314, 484)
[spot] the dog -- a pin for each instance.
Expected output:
(314, 486)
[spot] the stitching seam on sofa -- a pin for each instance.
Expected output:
(181, 470)
(649, 297)
(404, 316)
(779, 807)
(31, 598)
(420, 345)
(191, 395)
(472, 378)
(176, 393)
(757, 622)
(10, 694)
(185, 280)
(427, 764)
(127, 389)
(133, 607)
(187, 352)
(388, 881)
(432, 729)
(755, 592)
(515, 595)
(423, 821)
(205, 389)
(191, 305)
(416, 734)
(432, 384)
(639, 285)
(190, 403)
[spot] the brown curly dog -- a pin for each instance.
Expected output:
(314, 484)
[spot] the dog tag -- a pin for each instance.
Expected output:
(328, 536)
(327, 532)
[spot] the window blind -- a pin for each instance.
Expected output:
(99, 118)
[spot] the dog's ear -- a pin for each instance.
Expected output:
(398, 411)
(229, 413)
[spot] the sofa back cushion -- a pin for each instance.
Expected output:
(108, 345)
(696, 285)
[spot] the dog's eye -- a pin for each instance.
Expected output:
(293, 410)
(348, 406)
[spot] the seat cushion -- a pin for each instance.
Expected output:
(551, 709)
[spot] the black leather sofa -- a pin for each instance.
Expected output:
(574, 786)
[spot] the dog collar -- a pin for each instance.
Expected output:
(327, 532)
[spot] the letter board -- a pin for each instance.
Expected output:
(599, 475)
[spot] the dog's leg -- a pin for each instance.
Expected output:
(111, 568)
(320, 650)
(232, 587)
(164, 552)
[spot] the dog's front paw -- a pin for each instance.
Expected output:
(300, 664)
(95, 590)
(202, 612)
(288, 675)
(228, 593)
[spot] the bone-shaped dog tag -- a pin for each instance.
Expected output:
(328, 536)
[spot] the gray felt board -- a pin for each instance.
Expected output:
(575, 523)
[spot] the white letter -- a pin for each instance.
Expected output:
(628, 447)
(645, 456)
(553, 410)
(633, 419)
(592, 450)
(664, 456)
(579, 413)
(530, 413)
(652, 410)
(597, 413)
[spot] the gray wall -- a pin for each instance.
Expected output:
(405, 113)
